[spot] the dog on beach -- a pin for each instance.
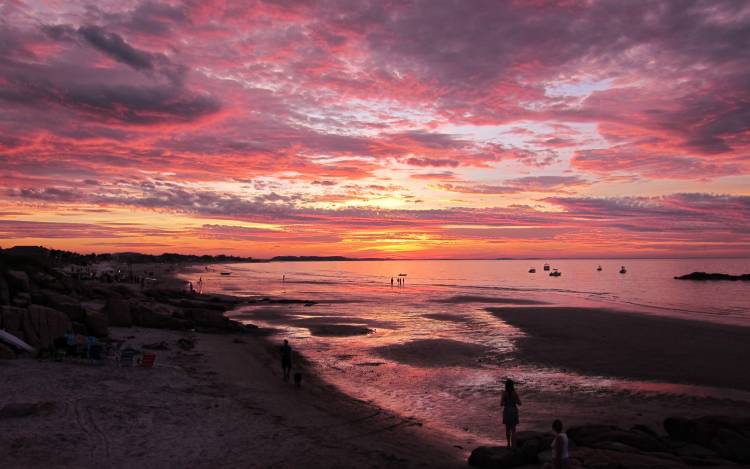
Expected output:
(298, 379)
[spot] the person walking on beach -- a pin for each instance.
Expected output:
(286, 359)
(510, 402)
(560, 455)
(391, 282)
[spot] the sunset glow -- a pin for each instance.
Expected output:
(426, 129)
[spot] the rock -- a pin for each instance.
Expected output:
(645, 429)
(529, 450)
(692, 450)
(18, 280)
(495, 457)
(4, 291)
(97, 324)
(729, 437)
(714, 276)
(11, 318)
(680, 428)
(207, 318)
(610, 459)
(67, 304)
(157, 346)
(44, 325)
(731, 445)
(118, 312)
(596, 435)
(530, 443)
(21, 300)
(6, 353)
(16, 410)
(147, 318)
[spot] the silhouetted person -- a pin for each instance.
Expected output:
(560, 456)
(286, 359)
(391, 281)
(510, 402)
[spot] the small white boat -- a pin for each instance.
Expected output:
(555, 273)
(623, 270)
(546, 267)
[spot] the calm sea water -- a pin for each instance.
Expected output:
(460, 396)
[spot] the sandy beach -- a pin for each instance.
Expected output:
(221, 404)
(616, 343)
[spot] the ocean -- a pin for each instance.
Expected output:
(435, 353)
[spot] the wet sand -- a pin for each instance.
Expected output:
(222, 404)
(613, 343)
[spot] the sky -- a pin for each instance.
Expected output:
(414, 129)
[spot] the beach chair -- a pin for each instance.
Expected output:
(127, 357)
(148, 360)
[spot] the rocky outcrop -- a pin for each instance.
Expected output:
(42, 325)
(728, 437)
(18, 281)
(715, 276)
(4, 291)
(495, 457)
(61, 302)
(706, 441)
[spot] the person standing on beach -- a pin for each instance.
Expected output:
(510, 402)
(391, 282)
(286, 359)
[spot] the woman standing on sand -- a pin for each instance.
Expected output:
(510, 402)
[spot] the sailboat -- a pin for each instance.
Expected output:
(623, 270)
(599, 269)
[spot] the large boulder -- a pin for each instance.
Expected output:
(44, 325)
(18, 280)
(531, 443)
(729, 437)
(4, 291)
(207, 318)
(67, 304)
(731, 445)
(11, 318)
(6, 353)
(496, 457)
(118, 312)
(21, 299)
(146, 317)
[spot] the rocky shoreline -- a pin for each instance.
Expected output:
(39, 304)
(707, 441)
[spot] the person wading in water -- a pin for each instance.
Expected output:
(510, 402)
(286, 359)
